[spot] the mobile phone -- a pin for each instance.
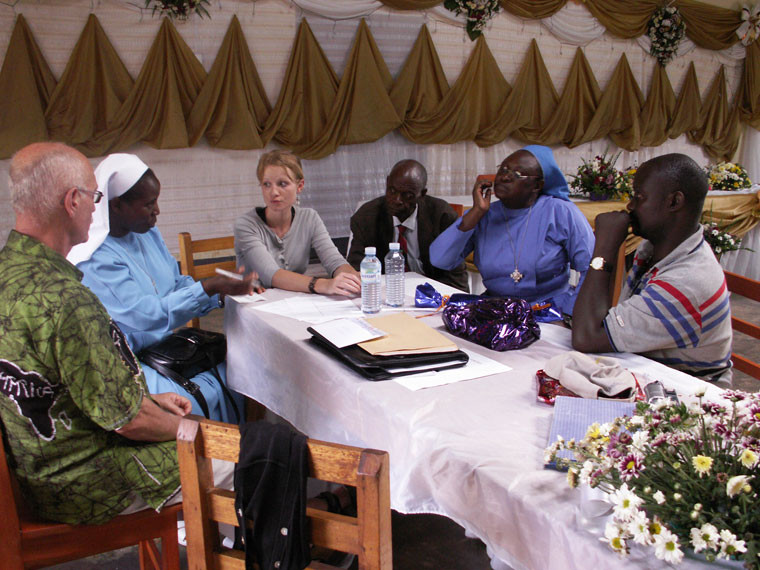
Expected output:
(484, 188)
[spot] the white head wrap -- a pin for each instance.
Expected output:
(115, 175)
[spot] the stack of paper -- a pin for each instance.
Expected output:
(405, 335)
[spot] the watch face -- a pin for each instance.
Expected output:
(597, 263)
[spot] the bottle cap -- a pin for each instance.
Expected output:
(369, 251)
(394, 245)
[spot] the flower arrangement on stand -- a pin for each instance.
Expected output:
(477, 12)
(720, 240)
(727, 176)
(178, 9)
(678, 476)
(598, 179)
(665, 29)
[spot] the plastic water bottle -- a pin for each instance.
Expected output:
(371, 274)
(394, 276)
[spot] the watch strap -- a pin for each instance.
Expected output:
(312, 283)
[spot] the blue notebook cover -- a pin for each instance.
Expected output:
(572, 416)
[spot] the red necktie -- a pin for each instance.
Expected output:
(402, 244)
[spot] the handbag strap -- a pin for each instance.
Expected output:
(192, 388)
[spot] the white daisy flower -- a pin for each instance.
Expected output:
(667, 548)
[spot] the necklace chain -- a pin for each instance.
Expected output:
(516, 275)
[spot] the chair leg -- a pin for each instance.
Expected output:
(149, 555)
(170, 550)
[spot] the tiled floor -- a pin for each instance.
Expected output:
(430, 541)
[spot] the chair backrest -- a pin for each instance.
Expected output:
(188, 248)
(749, 288)
(28, 542)
(368, 535)
(10, 525)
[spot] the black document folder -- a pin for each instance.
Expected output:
(385, 367)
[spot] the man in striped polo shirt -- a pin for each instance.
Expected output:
(674, 306)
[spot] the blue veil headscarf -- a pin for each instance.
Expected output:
(554, 181)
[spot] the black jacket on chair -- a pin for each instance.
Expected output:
(372, 225)
(270, 490)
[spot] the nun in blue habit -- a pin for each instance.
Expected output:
(126, 263)
(527, 240)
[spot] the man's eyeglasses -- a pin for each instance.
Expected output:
(510, 174)
(96, 194)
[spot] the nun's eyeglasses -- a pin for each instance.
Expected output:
(510, 174)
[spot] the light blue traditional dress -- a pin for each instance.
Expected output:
(547, 240)
(138, 282)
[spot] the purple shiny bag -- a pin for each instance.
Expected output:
(494, 322)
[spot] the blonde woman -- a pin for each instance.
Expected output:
(275, 241)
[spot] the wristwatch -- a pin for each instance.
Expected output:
(600, 264)
(312, 283)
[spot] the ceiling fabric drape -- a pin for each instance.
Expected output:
(91, 91)
(307, 94)
(27, 84)
(174, 103)
(161, 99)
(362, 110)
(232, 105)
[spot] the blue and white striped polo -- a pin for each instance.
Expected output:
(676, 312)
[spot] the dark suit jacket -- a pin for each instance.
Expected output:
(372, 225)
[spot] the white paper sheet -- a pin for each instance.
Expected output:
(252, 298)
(477, 367)
(313, 308)
(345, 332)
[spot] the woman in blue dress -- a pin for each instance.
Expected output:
(526, 242)
(126, 263)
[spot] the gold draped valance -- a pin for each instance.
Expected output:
(707, 26)
(97, 107)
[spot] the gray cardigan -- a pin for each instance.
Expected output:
(259, 249)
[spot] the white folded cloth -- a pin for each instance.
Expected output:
(592, 376)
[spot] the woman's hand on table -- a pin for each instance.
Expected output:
(345, 283)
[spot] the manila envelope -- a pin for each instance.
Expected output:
(406, 335)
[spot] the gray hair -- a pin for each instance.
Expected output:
(38, 180)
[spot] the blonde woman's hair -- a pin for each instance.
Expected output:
(284, 158)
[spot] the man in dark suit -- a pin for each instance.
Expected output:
(406, 214)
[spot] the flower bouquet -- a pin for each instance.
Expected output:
(678, 476)
(478, 13)
(720, 240)
(598, 179)
(727, 176)
(181, 9)
(665, 29)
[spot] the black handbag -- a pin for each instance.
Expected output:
(186, 353)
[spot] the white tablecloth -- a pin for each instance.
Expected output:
(471, 451)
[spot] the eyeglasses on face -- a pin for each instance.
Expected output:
(96, 194)
(511, 174)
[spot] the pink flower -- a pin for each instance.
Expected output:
(630, 466)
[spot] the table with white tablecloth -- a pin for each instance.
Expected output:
(471, 451)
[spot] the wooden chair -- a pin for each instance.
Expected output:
(749, 288)
(368, 535)
(188, 247)
(30, 543)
